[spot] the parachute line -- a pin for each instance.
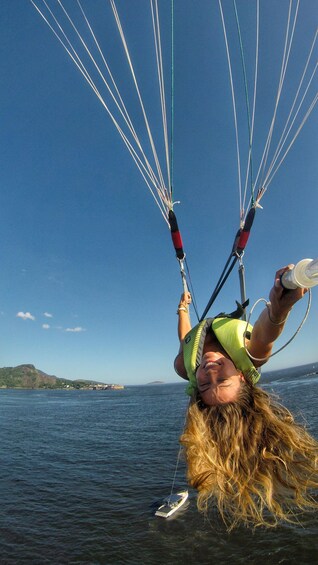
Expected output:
(310, 109)
(123, 39)
(302, 104)
(76, 36)
(249, 159)
(172, 101)
(155, 182)
(157, 39)
(249, 162)
(234, 109)
(285, 59)
(283, 139)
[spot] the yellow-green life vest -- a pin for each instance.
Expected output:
(230, 334)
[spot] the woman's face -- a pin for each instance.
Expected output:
(218, 379)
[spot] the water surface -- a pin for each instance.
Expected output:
(83, 471)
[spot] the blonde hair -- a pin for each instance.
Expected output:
(251, 458)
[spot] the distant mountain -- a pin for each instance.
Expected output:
(291, 372)
(156, 383)
(28, 377)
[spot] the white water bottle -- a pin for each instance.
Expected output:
(303, 275)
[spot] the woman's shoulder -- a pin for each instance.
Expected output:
(179, 366)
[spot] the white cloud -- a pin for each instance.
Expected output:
(46, 326)
(25, 316)
(47, 315)
(76, 330)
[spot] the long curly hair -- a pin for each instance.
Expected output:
(251, 458)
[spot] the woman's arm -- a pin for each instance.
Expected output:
(271, 321)
(184, 326)
(184, 323)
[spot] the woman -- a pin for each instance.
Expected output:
(243, 449)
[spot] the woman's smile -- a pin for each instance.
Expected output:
(218, 379)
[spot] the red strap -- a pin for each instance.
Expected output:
(243, 240)
(176, 235)
(243, 235)
(177, 240)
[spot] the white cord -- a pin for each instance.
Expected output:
(234, 108)
(155, 183)
(283, 139)
(289, 341)
(249, 159)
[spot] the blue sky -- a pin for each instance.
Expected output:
(90, 284)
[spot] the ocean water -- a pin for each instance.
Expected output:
(81, 473)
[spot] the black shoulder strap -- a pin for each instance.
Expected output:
(237, 314)
(205, 328)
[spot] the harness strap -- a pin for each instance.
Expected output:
(176, 235)
(238, 248)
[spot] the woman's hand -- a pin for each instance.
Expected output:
(185, 299)
(281, 299)
(271, 321)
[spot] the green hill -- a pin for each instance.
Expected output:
(27, 376)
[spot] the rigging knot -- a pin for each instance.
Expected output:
(176, 202)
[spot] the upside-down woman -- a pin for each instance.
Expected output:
(244, 450)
